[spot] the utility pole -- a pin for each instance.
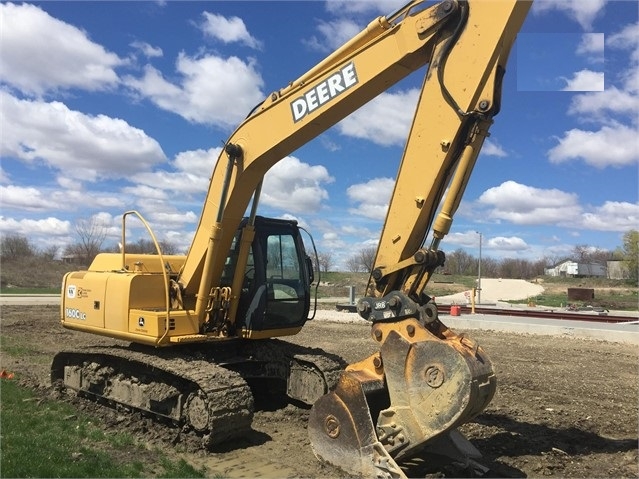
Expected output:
(479, 271)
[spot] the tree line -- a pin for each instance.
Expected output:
(461, 262)
(90, 237)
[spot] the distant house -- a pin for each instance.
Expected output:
(574, 269)
(618, 270)
(71, 259)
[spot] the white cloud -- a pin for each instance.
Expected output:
(385, 120)
(329, 236)
(592, 46)
(199, 162)
(228, 30)
(626, 38)
(384, 7)
(190, 176)
(69, 183)
(212, 90)
(24, 198)
(507, 243)
(333, 34)
(82, 199)
(329, 144)
(468, 239)
(171, 181)
(526, 205)
(631, 78)
(41, 53)
(611, 100)
(170, 218)
(585, 80)
(165, 197)
(492, 148)
(144, 191)
(180, 238)
(372, 198)
(612, 216)
(583, 12)
(147, 50)
(27, 198)
(104, 219)
(80, 146)
(612, 145)
(48, 226)
(294, 186)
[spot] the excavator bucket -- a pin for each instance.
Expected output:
(404, 402)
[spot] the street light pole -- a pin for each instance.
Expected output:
(479, 272)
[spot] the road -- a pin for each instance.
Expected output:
(29, 299)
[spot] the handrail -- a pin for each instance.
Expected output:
(159, 251)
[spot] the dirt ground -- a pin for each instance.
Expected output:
(564, 407)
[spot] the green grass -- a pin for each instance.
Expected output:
(15, 347)
(622, 300)
(47, 438)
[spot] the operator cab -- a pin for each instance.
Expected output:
(277, 279)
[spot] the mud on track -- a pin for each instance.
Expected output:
(564, 407)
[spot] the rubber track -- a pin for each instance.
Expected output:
(229, 398)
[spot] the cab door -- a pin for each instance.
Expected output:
(278, 292)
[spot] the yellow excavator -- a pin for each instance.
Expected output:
(203, 326)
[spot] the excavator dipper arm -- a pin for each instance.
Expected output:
(425, 381)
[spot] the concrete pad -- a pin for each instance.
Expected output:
(496, 289)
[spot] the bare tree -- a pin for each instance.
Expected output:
(16, 246)
(367, 258)
(489, 267)
(49, 253)
(168, 247)
(146, 246)
(521, 268)
(580, 252)
(461, 262)
(325, 261)
(591, 254)
(353, 264)
(91, 234)
(512, 268)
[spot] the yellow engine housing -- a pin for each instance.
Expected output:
(125, 303)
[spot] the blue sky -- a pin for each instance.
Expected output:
(112, 106)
